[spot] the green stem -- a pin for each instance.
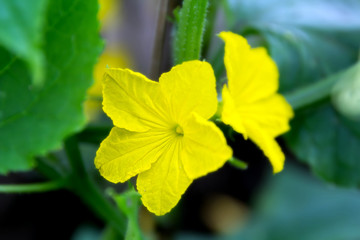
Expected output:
(190, 30)
(235, 162)
(82, 185)
(312, 93)
(33, 187)
(73, 153)
(209, 27)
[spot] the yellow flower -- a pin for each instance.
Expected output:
(250, 102)
(111, 57)
(161, 132)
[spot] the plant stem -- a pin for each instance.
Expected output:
(312, 93)
(33, 187)
(235, 162)
(209, 27)
(82, 185)
(190, 30)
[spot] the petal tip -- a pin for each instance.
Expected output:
(277, 169)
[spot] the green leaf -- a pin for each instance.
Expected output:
(21, 33)
(311, 40)
(190, 30)
(329, 143)
(34, 121)
(129, 203)
(295, 206)
(323, 138)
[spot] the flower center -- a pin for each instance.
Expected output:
(179, 130)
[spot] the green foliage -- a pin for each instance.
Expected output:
(309, 44)
(190, 30)
(318, 211)
(35, 120)
(83, 185)
(329, 143)
(293, 205)
(129, 203)
(21, 33)
(329, 146)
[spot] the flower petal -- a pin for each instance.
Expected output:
(132, 101)
(229, 114)
(272, 114)
(161, 186)
(268, 145)
(204, 147)
(252, 74)
(190, 87)
(123, 154)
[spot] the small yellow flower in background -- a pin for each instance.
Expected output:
(111, 57)
(161, 132)
(107, 12)
(250, 102)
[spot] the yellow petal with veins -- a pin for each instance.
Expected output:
(132, 101)
(162, 186)
(190, 87)
(124, 154)
(204, 147)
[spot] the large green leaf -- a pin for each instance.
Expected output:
(309, 41)
(327, 140)
(329, 143)
(35, 120)
(21, 32)
(295, 206)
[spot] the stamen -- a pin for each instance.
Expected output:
(179, 130)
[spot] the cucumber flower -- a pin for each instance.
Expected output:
(251, 104)
(161, 132)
